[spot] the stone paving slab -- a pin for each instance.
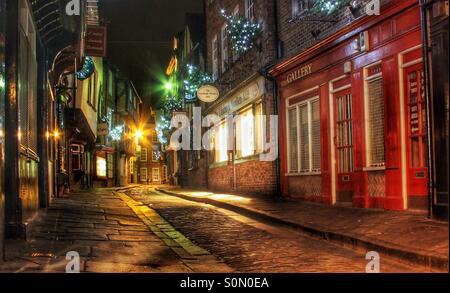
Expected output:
(406, 235)
(107, 234)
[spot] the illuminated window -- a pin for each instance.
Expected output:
(245, 134)
(221, 143)
(101, 167)
(304, 137)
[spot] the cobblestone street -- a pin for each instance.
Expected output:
(252, 246)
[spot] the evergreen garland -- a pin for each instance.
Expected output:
(329, 6)
(195, 78)
(243, 32)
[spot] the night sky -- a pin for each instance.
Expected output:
(140, 36)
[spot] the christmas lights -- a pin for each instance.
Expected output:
(195, 78)
(243, 32)
(87, 70)
(329, 6)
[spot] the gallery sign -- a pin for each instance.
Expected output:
(96, 41)
(299, 73)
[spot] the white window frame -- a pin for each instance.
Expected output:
(215, 57)
(141, 156)
(297, 106)
(156, 171)
(142, 172)
(224, 43)
(367, 79)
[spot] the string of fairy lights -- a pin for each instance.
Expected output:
(243, 33)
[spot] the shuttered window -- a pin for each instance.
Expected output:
(304, 137)
(375, 112)
(293, 141)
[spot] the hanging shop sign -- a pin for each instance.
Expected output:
(103, 129)
(95, 41)
(208, 93)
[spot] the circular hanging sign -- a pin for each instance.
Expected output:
(208, 93)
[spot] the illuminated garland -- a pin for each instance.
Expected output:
(163, 128)
(329, 6)
(88, 69)
(117, 132)
(242, 31)
(194, 80)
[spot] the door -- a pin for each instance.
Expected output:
(344, 146)
(417, 137)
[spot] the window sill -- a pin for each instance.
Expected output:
(247, 159)
(303, 174)
(374, 169)
(218, 165)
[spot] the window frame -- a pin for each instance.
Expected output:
(367, 79)
(141, 172)
(300, 170)
(224, 45)
(215, 57)
(250, 9)
(143, 151)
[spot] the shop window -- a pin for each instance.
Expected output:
(144, 174)
(245, 134)
(304, 137)
(259, 128)
(292, 141)
(221, 143)
(92, 91)
(110, 159)
(375, 112)
(417, 119)
(101, 167)
(344, 128)
(144, 155)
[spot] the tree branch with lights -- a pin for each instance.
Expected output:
(243, 32)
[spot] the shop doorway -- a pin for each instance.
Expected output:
(417, 129)
(343, 141)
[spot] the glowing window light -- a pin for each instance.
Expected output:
(101, 167)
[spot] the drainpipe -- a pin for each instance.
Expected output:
(428, 95)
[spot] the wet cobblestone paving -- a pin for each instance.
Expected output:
(251, 246)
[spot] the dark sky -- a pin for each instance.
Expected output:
(140, 36)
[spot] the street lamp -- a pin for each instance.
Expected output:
(168, 86)
(139, 134)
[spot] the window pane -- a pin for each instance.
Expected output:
(259, 128)
(376, 122)
(222, 143)
(304, 139)
(293, 141)
(315, 135)
(247, 133)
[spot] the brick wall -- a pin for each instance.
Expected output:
(252, 61)
(295, 33)
(252, 177)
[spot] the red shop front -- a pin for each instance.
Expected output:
(353, 123)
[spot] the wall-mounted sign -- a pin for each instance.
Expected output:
(95, 41)
(299, 73)
(208, 93)
(242, 98)
(103, 129)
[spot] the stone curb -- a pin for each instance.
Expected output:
(389, 249)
